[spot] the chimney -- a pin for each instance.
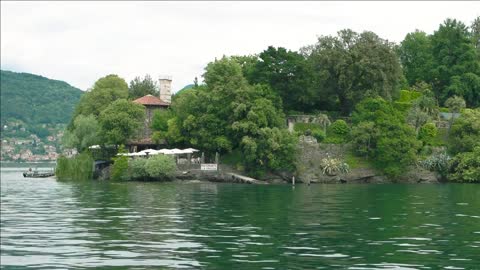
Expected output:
(165, 86)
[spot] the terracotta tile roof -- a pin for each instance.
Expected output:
(151, 100)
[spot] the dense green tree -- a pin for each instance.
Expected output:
(85, 133)
(456, 63)
(427, 133)
(121, 121)
(390, 142)
(351, 65)
(416, 57)
(160, 124)
(105, 91)
(364, 136)
(475, 34)
(467, 86)
(465, 132)
(270, 149)
(248, 64)
(288, 74)
(466, 166)
(464, 144)
(423, 87)
(140, 87)
(229, 113)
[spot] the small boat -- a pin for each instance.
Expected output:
(36, 174)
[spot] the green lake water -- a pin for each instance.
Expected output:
(47, 224)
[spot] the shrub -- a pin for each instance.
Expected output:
(465, 132)
(337, 132)
(427, 133)
(161, 167)
(137, 168)
(383, 135)
(319, 135)
(408, 96)
(466, 166)
(437, 163)
(77, 168)
(120, 168)
(339, 127)
(332, 166)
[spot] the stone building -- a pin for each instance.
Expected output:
(152, 104)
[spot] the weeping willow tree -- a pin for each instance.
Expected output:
(78, 168)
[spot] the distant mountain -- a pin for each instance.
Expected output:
(35, 99)
(185, 88)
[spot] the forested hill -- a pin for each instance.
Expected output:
(35, 99)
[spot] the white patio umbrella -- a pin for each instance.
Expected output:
(177, 151)
(137, 154)
(185, 151)
(94, 147)
(165, 151)
(149, 151)
(131, 154)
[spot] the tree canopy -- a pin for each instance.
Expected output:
(121, 121)
(351, 66)
(415, 53)
(456, 64)
(85, 132)
(105, 91)
(287, 73)
(381, 134)
(140, 87)
(228, 112)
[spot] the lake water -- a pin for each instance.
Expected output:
(47, 224)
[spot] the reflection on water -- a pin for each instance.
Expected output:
(53, 225)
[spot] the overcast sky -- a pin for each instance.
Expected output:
(79, 42)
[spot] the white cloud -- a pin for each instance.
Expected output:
(80, 42)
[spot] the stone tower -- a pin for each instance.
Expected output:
(165, 86)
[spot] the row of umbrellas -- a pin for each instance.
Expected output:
(174, 151)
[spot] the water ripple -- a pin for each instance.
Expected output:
(52, 225)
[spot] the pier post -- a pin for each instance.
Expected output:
(293, 180)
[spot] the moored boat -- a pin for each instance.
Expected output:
(36, 174)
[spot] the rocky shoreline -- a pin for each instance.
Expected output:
(356, 176)
(309, 154)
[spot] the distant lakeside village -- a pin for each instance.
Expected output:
(32, 148)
